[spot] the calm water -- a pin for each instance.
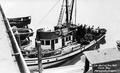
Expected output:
(102, 13)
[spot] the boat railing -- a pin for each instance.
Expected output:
(17, 53)
(73, 47)
(52, 53)
(59, 52)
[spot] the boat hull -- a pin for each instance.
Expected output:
(50, 62)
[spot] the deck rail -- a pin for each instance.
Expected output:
(17, 53)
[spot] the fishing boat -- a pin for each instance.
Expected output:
(66, 41)
(58, 48)
(63, 43)
(20, 27)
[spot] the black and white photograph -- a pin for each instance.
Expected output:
(59, 36)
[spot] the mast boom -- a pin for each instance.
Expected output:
(71, 10)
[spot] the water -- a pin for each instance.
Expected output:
(102, 13)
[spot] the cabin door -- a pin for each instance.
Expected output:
(63, 42)
(52, 45)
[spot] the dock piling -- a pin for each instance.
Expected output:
(38, 46)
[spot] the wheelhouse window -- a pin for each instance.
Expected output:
(69, 37)
(47, 42)
(42, 42)
(56, 40)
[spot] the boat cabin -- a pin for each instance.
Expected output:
(54, 39)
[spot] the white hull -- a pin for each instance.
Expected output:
(59, 59)
(45, 65)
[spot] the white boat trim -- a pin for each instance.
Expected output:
(61, 58)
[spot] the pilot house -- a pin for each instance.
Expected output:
(53, 40)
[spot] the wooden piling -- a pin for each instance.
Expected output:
(38, 46)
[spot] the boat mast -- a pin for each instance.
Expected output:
(61, 14)
(67, 13)
(71, 10)
(75, 10)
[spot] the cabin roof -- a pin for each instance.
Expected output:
(102, 55)
(47, 35)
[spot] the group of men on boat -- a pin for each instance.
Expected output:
(85, 34)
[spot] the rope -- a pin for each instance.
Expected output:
(49, 11)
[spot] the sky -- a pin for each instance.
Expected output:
(102, 13)
(40, 10)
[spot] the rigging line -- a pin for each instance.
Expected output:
(49, 12)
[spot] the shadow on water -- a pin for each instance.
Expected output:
(70, 61)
